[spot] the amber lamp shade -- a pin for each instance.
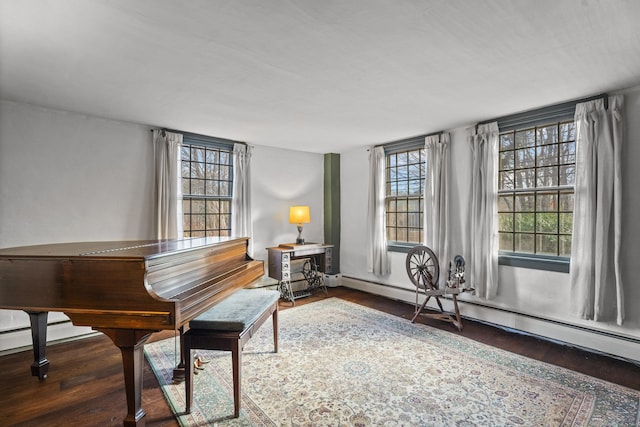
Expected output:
(299, 215)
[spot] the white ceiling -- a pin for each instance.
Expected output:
(314, 75)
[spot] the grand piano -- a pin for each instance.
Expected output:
(125, 289)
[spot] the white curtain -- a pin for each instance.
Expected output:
(241, 225)
(166, 148)
(436, 200)
(482, 265)
(377, 256)
(596, 285)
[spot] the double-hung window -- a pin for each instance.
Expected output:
(536, 178)
(207, 183)
(404, 201)
(535, 196)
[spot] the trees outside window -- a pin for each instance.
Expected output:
(536, 189)
(405, 175)
(207, 178)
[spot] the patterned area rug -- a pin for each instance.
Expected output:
(341, 364)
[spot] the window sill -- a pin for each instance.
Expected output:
(536, 262)
(401, 247)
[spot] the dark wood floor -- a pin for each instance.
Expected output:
(85, 384)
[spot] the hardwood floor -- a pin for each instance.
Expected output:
(85, 385)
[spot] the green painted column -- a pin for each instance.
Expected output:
(332, 206)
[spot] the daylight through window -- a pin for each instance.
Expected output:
(405, 175)
(206, 190)
(536, 189)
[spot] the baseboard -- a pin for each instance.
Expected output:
(20, 339)
(621, 347)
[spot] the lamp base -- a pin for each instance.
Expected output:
(300, 239)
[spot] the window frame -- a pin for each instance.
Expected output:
(405, 145)
(214, 144)
(537, 118)
(564, 131)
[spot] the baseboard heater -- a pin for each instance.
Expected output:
(28, 328)
(606, 334)
(19, 339)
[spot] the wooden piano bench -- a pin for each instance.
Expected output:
(227, 326)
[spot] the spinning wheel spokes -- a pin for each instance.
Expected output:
(422, 267)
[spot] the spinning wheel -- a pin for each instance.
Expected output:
(423, 270)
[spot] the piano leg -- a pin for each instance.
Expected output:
(131, 344)
(178, 371)
(40, 365)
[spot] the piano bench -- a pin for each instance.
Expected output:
(227, 326)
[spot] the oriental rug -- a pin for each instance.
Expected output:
(341, 364)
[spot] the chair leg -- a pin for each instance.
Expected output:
(274, 317)
(236, 353)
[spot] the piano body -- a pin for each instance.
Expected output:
(125, 289)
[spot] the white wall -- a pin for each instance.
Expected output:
(71, 177)
(535, 293)
(280, 179)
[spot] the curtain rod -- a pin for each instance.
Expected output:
(199, 135)
(410, 138)
(602, 96)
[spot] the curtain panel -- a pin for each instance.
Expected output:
(436, 199)
(241, 225)
(482, 265)
(596, 283)
(168, 218)
(378, 260)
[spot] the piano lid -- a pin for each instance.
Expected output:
(141, 284)
(113, 249)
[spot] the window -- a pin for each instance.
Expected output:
(536, 189)
(207, 182)
(405, 175)
(536, 179)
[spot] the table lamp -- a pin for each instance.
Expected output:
(299, 215)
